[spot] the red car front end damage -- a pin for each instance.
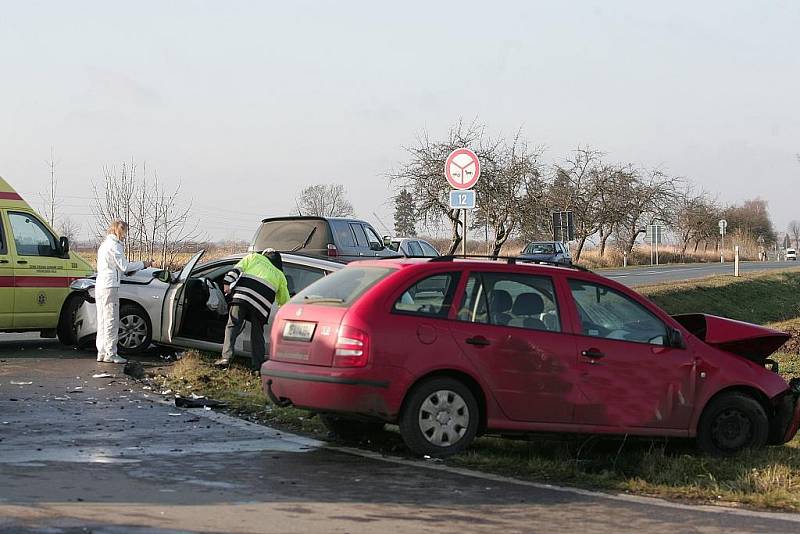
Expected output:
(753, 344)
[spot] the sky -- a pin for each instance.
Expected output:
(244, 103)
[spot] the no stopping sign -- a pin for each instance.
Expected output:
(462, 168)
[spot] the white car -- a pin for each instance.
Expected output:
(411, 247)
(171, 308)
(791, 254)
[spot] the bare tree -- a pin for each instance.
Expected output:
(695, 216)
(510, 181)
(324, 200)
(68, 228)
(649, 197)
(578, 185)
(794, 229)
(161, 225)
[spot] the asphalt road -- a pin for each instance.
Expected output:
(102, 455)
(642, 276)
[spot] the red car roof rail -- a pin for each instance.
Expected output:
(508, 259)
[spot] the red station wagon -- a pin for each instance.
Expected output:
(452, 348)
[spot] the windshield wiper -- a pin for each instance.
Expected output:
(305, 243)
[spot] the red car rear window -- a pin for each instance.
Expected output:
(342, 288)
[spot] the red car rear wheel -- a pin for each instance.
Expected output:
(440, 418)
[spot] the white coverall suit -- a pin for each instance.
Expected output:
(111, 263)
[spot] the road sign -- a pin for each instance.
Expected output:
(563, 226)
(462, 200)
(654, 234)
(462, 168)
(723, 226)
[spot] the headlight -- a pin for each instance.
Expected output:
(81, 284)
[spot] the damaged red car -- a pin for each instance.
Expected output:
(449, 349)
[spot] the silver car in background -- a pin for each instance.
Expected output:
(171, 308)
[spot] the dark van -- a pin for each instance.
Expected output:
(327, 237)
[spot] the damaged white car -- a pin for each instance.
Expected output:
(179, 309)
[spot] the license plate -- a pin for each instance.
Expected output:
(298, 331)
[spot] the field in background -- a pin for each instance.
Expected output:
(590, 258)
(769, 478)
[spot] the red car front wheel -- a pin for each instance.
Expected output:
(731, 423)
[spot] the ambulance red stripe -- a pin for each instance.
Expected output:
(9, 196)
(36, 281)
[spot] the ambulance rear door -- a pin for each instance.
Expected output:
(41, 273)
(6, 277)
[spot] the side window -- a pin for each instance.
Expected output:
(30, 236)
(374, 240)
(415, 249)
(509, 299)
(344, 235)
(299, 277)
(3, 247)
(427, 249)
(431, 296)
(609, 314)
(358, 231)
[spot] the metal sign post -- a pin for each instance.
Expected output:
(653, 235)
(462, 170)
(723, 225)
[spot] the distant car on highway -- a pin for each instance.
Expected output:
(324, 237)
(412, 246)
(791, 254)
(547, 251)
(170, 308)
(449, 349)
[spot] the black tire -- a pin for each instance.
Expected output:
(731, 423)
(351, 429)
(135, 330)
(445, 436)
(66, 320)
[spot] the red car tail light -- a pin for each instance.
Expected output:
(352, 348)
(333, 252)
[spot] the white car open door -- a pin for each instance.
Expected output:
(173, 300)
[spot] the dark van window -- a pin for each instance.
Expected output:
(431, 296)
(286, 235)
(361, 237)
(344, 235)
(375, 242)
(342, 287)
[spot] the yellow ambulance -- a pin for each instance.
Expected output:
(36, 270)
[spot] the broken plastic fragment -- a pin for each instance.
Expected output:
(102, 375)
(20, 383)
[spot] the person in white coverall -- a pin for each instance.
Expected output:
(111, 264)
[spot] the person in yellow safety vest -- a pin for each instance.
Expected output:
(256, 284)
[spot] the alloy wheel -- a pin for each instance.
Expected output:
(132, 331)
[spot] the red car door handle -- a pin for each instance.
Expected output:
(593, 354)
(478, 341)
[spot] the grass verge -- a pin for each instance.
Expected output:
(767, 479)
